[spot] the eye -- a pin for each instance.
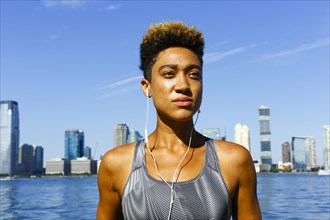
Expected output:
(195, 74)
(168, 74)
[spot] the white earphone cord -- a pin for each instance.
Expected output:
(154, 159)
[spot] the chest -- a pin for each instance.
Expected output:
(175, 167)
(204, 197)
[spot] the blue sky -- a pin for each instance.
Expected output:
(74, 64)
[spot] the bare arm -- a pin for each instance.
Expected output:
(109, 206)
(246, 205)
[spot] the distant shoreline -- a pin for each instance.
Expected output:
(312, 173)
(46, 176)
(95, 175)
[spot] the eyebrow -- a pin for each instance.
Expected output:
(175, 66)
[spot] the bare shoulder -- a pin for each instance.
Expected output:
(118, 156)
(116, 165)
(233, 157)
(232, 151)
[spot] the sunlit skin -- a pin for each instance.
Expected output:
(176, 90)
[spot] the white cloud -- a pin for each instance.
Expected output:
(112, 7)
(216, 56)
(302, 48)
(120, 87)
(121, 82)
(71, 3)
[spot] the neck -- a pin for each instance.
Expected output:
(175, 136)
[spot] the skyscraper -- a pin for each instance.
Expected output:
(9, 137)
(88, 152)
(26, 160)
(311, 152)
(303, 153)
(120, 135)
(326, 146)
(38, 160)
(134, 136)
(286, 152)
(299, 157)
(74, 144)
(242, 135)
(266, 153)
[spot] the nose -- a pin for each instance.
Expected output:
(182, 84)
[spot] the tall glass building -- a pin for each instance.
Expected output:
(120, 135)
(299, 153)
(326, 146)
(266, 152)
(9, 137)
(303, 153)
(74, 144)
(134, 136)
(88, 152)
(26, 159)
(38, 160)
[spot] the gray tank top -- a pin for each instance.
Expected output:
(204, 197)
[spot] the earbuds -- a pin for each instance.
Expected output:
(147, 93)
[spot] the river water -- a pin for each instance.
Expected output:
(281, 196)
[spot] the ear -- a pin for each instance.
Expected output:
(145, 85)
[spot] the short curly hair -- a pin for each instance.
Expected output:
(164, 35)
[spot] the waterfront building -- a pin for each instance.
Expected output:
(74, 144)
(88, 152)
(242, 135)
(120, 135)
(58, 166)
(285, 167)
(83, 165)
(326, 146)
(303, 153)
(299, 158)
(311, 153)
(9, 137)
(38, 160)
(286, 152)
(134, 136)
(265, 135)
(26, 160)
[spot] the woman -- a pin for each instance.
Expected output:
(176, 172)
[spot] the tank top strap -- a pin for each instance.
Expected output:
(138, 155)
(212, 156)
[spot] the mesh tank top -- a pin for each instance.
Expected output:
(204, 197)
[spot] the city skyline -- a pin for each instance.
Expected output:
(78, 68)
(30, 158)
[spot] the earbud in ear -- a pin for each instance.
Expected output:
(148, 94)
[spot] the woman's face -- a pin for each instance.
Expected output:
(176, 84)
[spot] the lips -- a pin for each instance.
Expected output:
(183, 101)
